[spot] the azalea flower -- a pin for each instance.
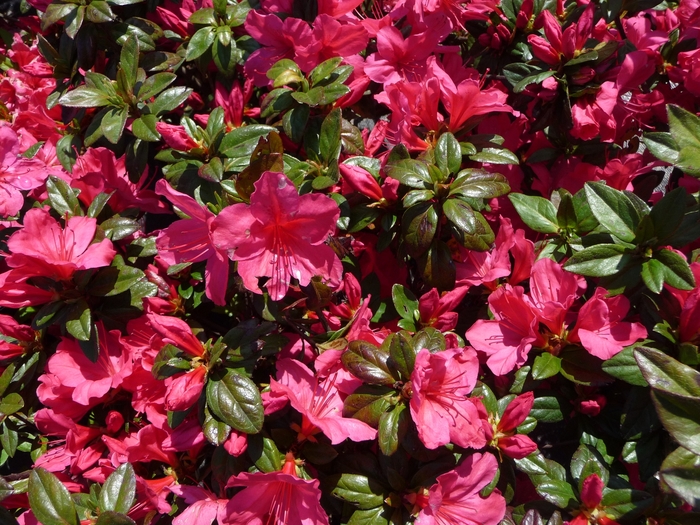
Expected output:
(274, 498)
(501, 431)
(43, 248)
(280, 235)
(189, 240)
(439, 405)
(455, 499)
(16, 173)
(319, 403)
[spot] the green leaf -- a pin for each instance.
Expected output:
(216, 432)
(55, 12)
(11, 403)
(667, 215)
(376, 516)
(117, 228)
(200, 42)
(437, 267)
(329, 140)
(549, 409)
(170, 361)
(662, 146)
(681, 471)
(154, 85)
(368, 403)
(448, 154)
(599, 260)
(496, 156)
(479, 184)
(625, 503)
(241, 142)
(235, 400)
(537, 78)
(264, 453)
(368, 363)
(170, 99)
(99, 12)
(405, 302)
(624, 366)
(129, 60)
(113, 122)
(461, 214)
(62, 197)
(653, 275)
(402, 355)
(676, 271)
(50, 500)
(84, 97)
(114, 518)
(613, 209)
(323, 70)
(685, 130)
(586, 461)
(680, 415)
(393, 425)
(144, 128)
(412, 173)
(666, 374)
(537, 212)
(79, 322)
(119, 490)
(545, 365)
(482, 238)
(419, 225)
(361, 491)
(74, 21)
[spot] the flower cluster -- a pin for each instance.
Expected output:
(350, 262)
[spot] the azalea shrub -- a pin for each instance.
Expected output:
(359, 262)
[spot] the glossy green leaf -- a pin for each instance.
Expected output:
(114, 518)
(599, 260)
(170, 99)
(448, 154)
(361, 491)
(11, 403)
(393, 425)
(200, 42)
(624, 366)
(402, 355)
(685, 130)
(662, 146)
(437, 267)
(129, 60)
(613, 209)
(676, 271)
(50, 500)
(62, 197)
(235, 400)
(549, 409)
(79, 321)
(538, 213)
(479, 184)
(113, 123)
(405, 302)
(412, 173)
(119, 491)
(170, 361)
(545, 365)
(368, 363)
(329, 140)
(419, 225)
(681, 472)
(84, 97)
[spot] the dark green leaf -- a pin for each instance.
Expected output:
(496, 156)
(323, 70)
(368, 403)
(144, 128)
(113, 123)
(154, 85)
(200, 42)
(117, 228)
(448, 154)
(412, 173)
(169, 361)
(680, 415)
(84, 97)
(419, 225)
(62, 197)
(437, 268)
(681, 471)
(368, 363)
(11, 403)
(662, 146)
(625, 503)
(624, 366)
(405, 302)
(460, 214)
(241, 142)
(114, 518)
(170, 99)
(676, 270)
(667, 215)
(79, 321)
(119, 490)
(479, 184)
(402, 355)
(393, 425)
(537, 78)
(538, 213)
(549, 409)
(545, 365)
(685, 130)
(235, 400)
(129, 60)
(361, 491)
(666, 374)
(264, 453)
(55, 12)
(216, 432)
(329, 140)
(653, 275)
(599, 260)
(613, 209)
(50, 500)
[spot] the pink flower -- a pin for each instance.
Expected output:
(436, 311)
(190, 240)
(455, 499)
(16, 173)
(280, 235)
(17, 338)
(501, 432)
(274, 497)
(43, 248)
(319, 403)
(439, 405)
(600, 329)
(508, 338)
(202, 505)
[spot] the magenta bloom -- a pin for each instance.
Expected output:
(16, 173)
(280, 235)
(274, 498)
(439, 406)
(43, 248)
(189, 240)
(455, 499)
(319, 403)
